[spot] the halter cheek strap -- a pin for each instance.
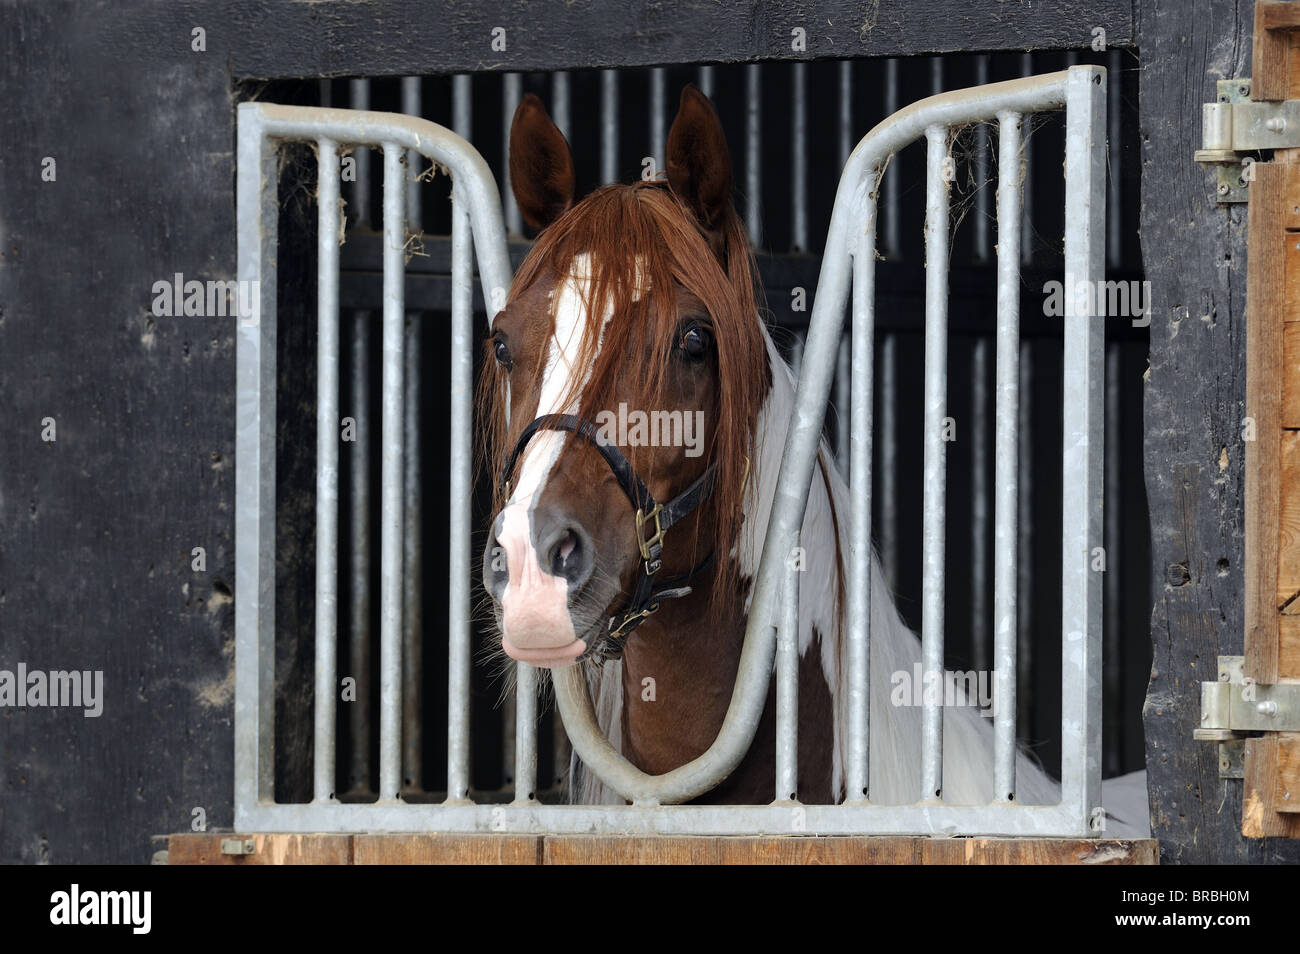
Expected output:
(653, 521)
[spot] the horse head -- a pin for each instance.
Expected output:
(621, 389)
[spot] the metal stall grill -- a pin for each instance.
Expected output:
(848, 262)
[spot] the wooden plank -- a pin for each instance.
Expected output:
(1269, 56)
(1288, 656)
(1265, 303)
(1288, 541)
(1289, 415)
(806, 850)
(1259, 819)
(270, 849)
(434, 848)
(403, 37)
(1083, 851)
(1286, 784)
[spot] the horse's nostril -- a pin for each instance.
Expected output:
(565, 553)
(569, 556)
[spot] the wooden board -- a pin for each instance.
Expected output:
(411, 37)
(269, 849)
(1260, 819)
(447, 849)
(405, 849)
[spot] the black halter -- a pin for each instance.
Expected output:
(653, 520)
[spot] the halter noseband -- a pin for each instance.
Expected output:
(653, 520)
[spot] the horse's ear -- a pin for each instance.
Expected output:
(699, 167)
(541, 165)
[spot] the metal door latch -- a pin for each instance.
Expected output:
(1233, 126)
(238, 846)
(1236, 707)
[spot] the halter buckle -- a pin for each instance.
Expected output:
(655, 541)
(630, 621)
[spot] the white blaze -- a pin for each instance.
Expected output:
(535, 613)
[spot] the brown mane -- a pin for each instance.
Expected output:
(646, 223)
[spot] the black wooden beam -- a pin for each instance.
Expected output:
(414, 37)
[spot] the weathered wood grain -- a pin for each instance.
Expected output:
(447, 849)
(270, 849)
(1260, 819)
(401, 37)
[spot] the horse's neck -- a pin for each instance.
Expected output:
(825, 520)
(679, 654)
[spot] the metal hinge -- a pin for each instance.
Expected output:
(1230, 124)
(1236, 707)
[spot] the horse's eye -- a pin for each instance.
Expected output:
(695, 341)
(502, 354)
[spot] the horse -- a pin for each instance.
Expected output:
(631, 551)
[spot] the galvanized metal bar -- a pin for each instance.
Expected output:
(526, 734)
(858, 780)
(1112, 662)
(411, 106)
(658, 115)
(846, 109)
(787, 685)
(705, 80)
(941, 820)
(412, 565)
(891, 236)
(980, 511)
(461, 485)
(462, 105)
(1025, 617)
(1026, 180)
(799, 157)
(392, 524)
(983, 220)
(796, 353)
(1006, 459)
(1114, 181)
(512, 90)
(889, 502)
(327, 466)
(359, 555)
(257, 216)
(791, 496)
(561, 101)
(935, 455)
(843, 387)
(359, 98)
(1082, 439)
(608, 126)
(412, 541)
(753, 153)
